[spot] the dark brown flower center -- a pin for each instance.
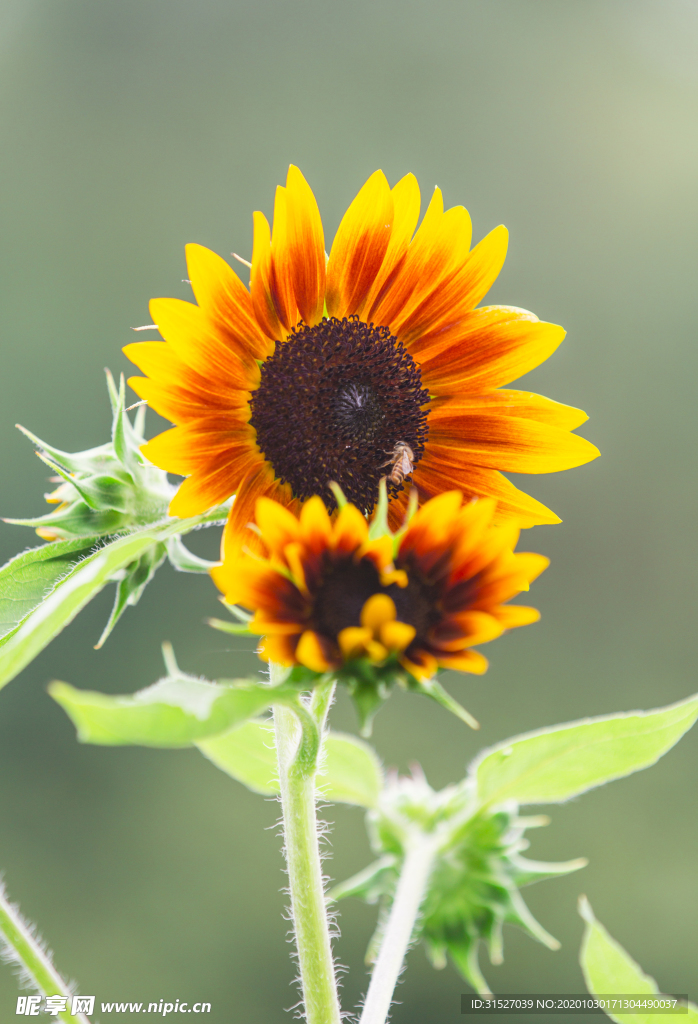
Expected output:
(333, 403)
(347, 585)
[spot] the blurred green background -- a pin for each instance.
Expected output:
(130, 128)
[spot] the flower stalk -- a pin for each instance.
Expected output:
(297, 766)
(23, 948)
(397, 936)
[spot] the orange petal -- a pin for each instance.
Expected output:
(451, 469)
(293, 556)
(512, 615)
(456, 293)
(316, 527)
(265, 628)
(200, 492)
(201, 447)
(350, 529)
(507, 402)
(262, 292)
(484, 348)
(406, 203)
(422, 665)
(506, 443)
(181, 404)
(439, 247)
(467, 629)
(359, 247)
(198, 344)
(304, 248)
(506, 576)
(279, 649)
(280, 275)
(226, 302)
(432, 524)
(257, 481)
(279, 526)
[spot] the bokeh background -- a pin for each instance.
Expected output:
(129, 128)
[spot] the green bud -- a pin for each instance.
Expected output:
(104, 490)
(477, 871)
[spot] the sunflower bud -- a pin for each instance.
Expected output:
(477, 870)
(103, 490)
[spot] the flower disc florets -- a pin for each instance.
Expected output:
(373, 607)
(333, 402)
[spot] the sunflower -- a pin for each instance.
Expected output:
(330, 594)
(373, 362)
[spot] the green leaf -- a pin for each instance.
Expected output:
(247, 754)
(174, 712)
(609, 970)
(350, 772)
(50, 602)
(29, 577)
(552, 765)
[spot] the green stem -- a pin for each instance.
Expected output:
(297, 762)
(26, 950)
(411, 888)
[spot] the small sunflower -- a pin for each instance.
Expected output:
(330, 594)
(373, 362)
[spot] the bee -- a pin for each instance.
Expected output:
(401, 462)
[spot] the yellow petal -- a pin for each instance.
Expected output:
(316, 528)
(353, 641)
(310, 653)
(465, 661)
(376, 652)
(377, 610)
(293, 554)
(396, 636)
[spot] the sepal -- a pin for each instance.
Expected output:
(478, 868)
(104, 490)
(131, 583)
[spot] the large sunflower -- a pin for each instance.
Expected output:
(373, 362)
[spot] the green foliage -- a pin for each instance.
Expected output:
(608, 970)
(478, 870)
(478, 835)
(132, 559)
(553, 765)
(350, 772)
(176, 711)
(246, 753)
(107, 489)
(111, 525)
(30, 576)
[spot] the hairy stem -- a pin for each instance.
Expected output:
(397, 936)
(23, 948)
(308, 906)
